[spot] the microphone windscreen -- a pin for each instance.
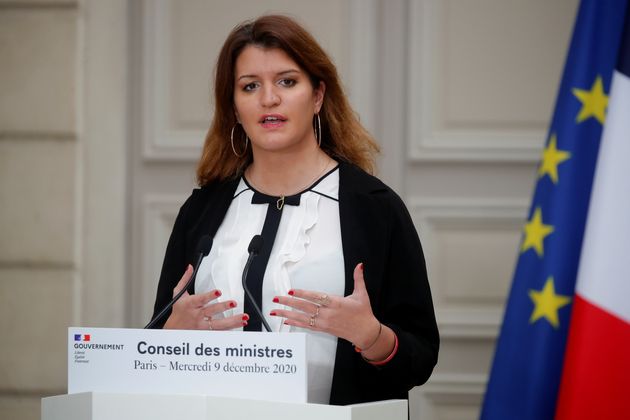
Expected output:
(204, 245)
(255, 245)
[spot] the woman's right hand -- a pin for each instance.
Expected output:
(195, 312)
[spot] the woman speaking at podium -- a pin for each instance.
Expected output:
(286, 158)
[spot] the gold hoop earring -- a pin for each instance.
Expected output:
(232, 142)
(318, 130)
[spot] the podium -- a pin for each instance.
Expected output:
(127, 374)
(115, 406)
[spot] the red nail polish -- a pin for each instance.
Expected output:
(361, 266)
(244, 323)
(291, 292)
(272, 313)
(232, 305)
(245, 317)
(276, 300)
(217, 293)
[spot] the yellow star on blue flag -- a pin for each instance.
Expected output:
(547, 303)
(594, 102)
(535, 233)
(552, 157)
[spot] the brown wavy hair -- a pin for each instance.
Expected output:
(343, 136)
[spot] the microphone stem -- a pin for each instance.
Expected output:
(258, 311)
(177, 296)
(249, 294)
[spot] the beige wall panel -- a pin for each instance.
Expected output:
(475, 263)
(483, 77)
(38, 309)
(20, 407)
(37, 194)
(470, 246)
(496, 75)
(37, 76)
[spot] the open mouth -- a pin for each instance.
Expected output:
(271, 119)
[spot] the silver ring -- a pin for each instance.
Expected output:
(311, 322)
(316, 312)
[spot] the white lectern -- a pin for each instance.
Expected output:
(127, 374)
(111, 406)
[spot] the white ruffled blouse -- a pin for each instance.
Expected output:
(307, 254)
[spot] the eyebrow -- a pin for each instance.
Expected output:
(282, 73)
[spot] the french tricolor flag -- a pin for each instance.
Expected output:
(82, 337)
(595, 380)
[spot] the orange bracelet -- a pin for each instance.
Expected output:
(390, 357)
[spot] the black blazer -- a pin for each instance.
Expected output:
(376, 229)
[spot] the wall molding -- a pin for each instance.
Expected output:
(100, 237)
(160, 141)
(445, 386)
(446, 390)
(429, 143)
(38, 5)
(38, 136)
(157, 214)
(459, 320)
(364, 54)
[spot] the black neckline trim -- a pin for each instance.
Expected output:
(241, 192)
(249, 186)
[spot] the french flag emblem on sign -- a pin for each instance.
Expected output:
(82, 337)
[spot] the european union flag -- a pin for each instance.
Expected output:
(527, 367)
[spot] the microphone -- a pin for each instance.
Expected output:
(254, 248)
(203, 248)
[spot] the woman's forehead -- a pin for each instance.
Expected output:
(256, 61)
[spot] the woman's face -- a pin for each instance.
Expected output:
(275, 101)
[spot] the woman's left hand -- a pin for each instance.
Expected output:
(349, 317)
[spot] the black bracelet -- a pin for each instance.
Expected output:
(380, 329)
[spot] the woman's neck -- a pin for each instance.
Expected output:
(283, 175)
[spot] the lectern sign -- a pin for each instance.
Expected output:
(266, 366)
